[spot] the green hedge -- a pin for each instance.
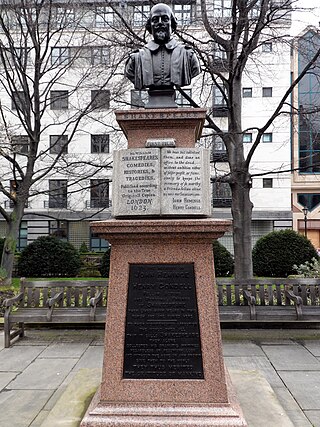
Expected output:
(49, 257)
(275, 254)
(223, 260)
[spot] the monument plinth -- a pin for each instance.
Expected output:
(163, 363)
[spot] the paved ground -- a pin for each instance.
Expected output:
(36, 370)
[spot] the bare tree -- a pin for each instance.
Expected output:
(227, 41)
(55, 80)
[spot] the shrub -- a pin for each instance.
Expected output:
(223, 260)
(308, 269)
(49, 257)
(275, 254)
(83, 248)
(105, 263)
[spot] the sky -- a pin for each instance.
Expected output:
(309, 16)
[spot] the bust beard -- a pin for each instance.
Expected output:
(161, 36)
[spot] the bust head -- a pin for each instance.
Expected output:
(161, 23)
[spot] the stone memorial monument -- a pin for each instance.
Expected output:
(163, 363)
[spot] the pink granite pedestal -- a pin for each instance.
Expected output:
(163, 402)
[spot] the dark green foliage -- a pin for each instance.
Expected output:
(275, 254)
(223, 260)
(49, 257)
(1, 246)
(83, 248)
(105, 263)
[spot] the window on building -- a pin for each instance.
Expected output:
(267, 47)
(104, 17)
(219, 151)
(59, 229)
(58, 144)
(139, 98)
(100, 143)
(99, 193)
(310, 200)
(267, 182)
(64, 17)
(181, 100)
(60, 56)
(218, 52)
(59, 100)
(183, 13)
(97, 244)
(58, 193)
(20, 144)
(22, 240)
(100, 55)
(221, 194)
(100, 99)
(222, 8)
(247, 137)
(19, 101)
(267, 92)
(247, 92)
(140, 15)
(267, 137)
(218, 96)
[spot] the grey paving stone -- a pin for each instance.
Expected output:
(291, 407)
(43, 374)
(61, 350)
(1, 340)
(314, 417)
(313, 347)
(304, 386)
(243, 348)
(291, 357)
(255, 363)
(17, 359)
(254, 393)
(38, 421)
(20, 407)
(5, 378)
(92, 358)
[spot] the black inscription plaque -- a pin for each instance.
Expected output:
(162, 336)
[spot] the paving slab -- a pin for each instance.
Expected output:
(5, 378)
(37, 422)
(291, 357)
(314, 417)
(92, 358)
(80, 392)
(259, 403)
(64, 350)
(243, 348)
(304, 386)
(43, 375)
(20, 407)
(255, 363)
(15, 359)
(291, 407)
(313, 347)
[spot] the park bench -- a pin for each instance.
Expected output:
(270, 300)
(55, 302)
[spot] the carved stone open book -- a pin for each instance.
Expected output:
(161, 181)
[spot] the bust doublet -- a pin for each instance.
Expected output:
(162, 65)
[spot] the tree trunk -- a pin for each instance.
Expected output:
(242, 217)
(10, 245)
